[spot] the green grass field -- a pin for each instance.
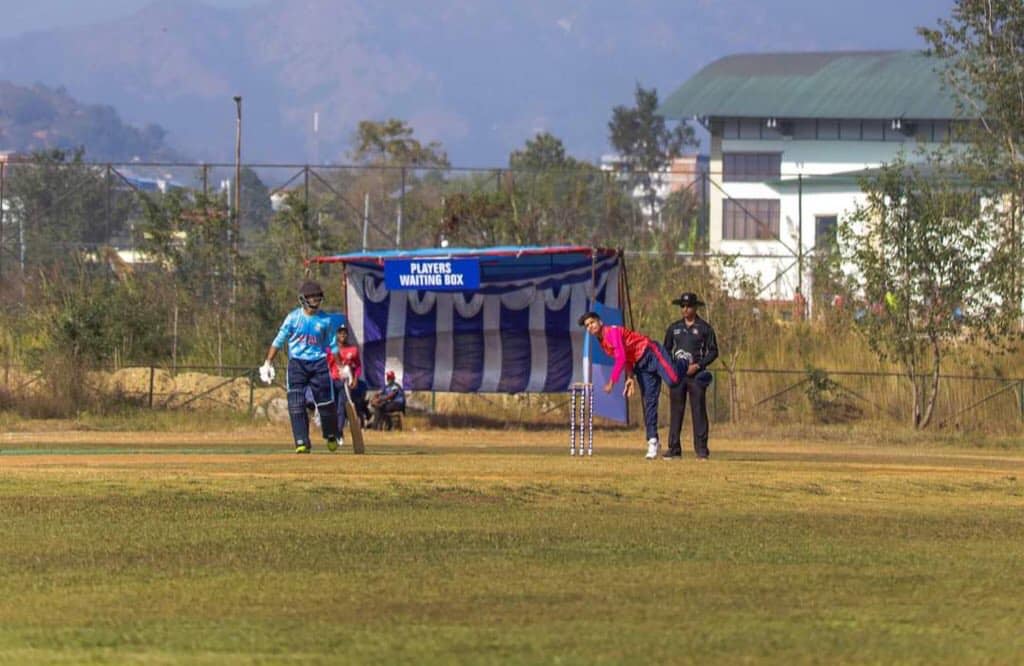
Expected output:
(476, 546)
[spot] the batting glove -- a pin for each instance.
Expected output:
(267, 372)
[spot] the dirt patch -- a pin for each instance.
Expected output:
(183, 390)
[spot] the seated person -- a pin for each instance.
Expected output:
(388, 400)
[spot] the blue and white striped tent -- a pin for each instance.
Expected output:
(516, 332)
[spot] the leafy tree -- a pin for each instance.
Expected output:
(294, 237)
(391, 142)
(477, 218)
(646, 145)
(397, 193)
(544, 151)
(553, 197)
(63, 206)
(681, 218)
(928, 268)
(982, 51)
(256, 208)
(545, 197)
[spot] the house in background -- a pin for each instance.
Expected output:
(790, 135)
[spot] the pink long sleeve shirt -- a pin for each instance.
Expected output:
(625, 346)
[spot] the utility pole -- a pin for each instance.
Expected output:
(236, 219)
(3, 168)
(401, 207)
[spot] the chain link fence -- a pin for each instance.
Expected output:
(746, 396)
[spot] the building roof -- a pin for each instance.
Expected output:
(840, 84)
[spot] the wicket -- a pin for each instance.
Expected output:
(582, 393)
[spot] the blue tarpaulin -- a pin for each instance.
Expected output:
(516, 332)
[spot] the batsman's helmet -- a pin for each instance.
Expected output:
(390, 374)
(310, 289)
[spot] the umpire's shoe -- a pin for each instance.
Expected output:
(672, 454)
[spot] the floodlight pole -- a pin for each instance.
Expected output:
(235, 222)
(3, 168)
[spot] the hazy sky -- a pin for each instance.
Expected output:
(603, 50)
(18, 16)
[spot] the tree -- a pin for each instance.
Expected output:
(544, 151)
(982, 51)
(391, 142)
(61, 206)
(929, 269)
(256, 208)
(646, 145)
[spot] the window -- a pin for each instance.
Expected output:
(750, 219)
(751, 167)
(828, 129)
(873, 130)
(825, 230)
(805, 129)
(750, 128)
(849, 130)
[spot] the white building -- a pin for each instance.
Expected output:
(790, 134)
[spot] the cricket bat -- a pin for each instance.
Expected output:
(358, 447)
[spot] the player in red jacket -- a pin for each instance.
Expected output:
(345, 366)
(643, 358)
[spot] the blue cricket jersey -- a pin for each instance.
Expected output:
(307, 335)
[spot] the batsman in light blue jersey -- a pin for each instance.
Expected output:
(308, 334)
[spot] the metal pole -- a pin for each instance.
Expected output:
(800, 242)
(238, 165)
(21, 253)
(236, 221)
(106, 238)
(152, 375)
(401, 207)
(705, 211)
(206, 179)
(3, 169)
(366, 217)
(305, 193)
(319, 232)
(252, 390)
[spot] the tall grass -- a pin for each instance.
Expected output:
(750, 337)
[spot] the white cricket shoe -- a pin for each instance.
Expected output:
(652, 448)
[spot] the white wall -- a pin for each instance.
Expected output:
(773, 264)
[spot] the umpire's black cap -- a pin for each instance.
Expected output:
(688, 298)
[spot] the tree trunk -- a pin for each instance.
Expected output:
(933, 394)
(915, 410)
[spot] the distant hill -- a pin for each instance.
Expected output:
(39, 118)
(480, 76)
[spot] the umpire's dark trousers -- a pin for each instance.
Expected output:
(698, 411)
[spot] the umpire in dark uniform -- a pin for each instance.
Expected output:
(693, 339)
